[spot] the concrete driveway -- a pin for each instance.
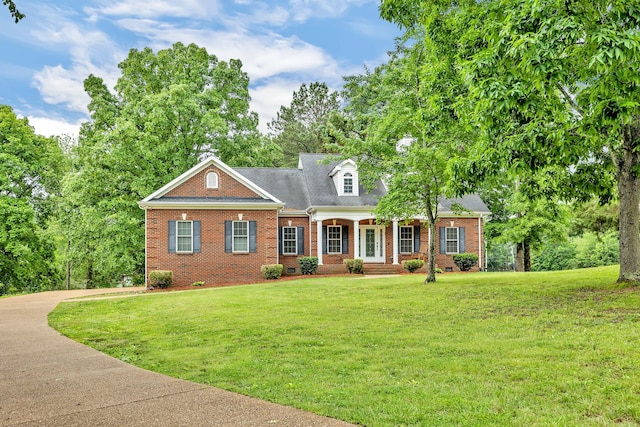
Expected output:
(47, 379)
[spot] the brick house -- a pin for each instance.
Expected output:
(219, 224)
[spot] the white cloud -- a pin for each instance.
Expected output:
(305, 9)
(262, 55)
(267, 98)
(54, 127)
(200, 9)
(90, 52)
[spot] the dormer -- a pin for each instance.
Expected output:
(345, 178)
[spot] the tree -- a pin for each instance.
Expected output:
(29, 180)
(405, 130)
(13, 9)
(168, 111)
(578, 62)
(301, 127)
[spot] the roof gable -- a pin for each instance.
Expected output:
(244, 188)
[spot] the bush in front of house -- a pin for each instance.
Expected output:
(272, 271)
(354, 266)
(308, 264)
(161, 278)
(411, 265)
(465, 261)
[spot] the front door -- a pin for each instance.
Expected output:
(372, 243)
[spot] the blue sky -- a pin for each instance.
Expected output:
(281, 43)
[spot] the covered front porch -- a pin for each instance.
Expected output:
(343, 235)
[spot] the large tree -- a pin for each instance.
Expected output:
(169, 109)
(29, 180)
(403, 129)
(301, 127)
(578, 61)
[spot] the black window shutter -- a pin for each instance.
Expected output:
(345, 239)
(416, 238)
(253, 228)
(300, 232)
(172, 236)
(280, 247)
(324, 240)
(443, 240)
(228, 225)
(462, 247)
(197, 241)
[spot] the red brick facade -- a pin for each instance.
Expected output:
(188, 199)
(212, 265)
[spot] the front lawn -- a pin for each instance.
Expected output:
(516, 349)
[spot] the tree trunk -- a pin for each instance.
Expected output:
(90, 275)
(431, 267)
(520, 256)
(629, 193)
(526, 255)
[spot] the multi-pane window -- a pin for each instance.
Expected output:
(348, 183)
(334, 239)
(184, 236)
(289, 241)
(240, 236)
(451, 240)
(406, 240)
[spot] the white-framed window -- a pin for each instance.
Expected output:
(347, 183)
(212, 180)
(406, 239)
(240, 236)
(184, 236)
(452, 240)
(334, 239)
(289, 240)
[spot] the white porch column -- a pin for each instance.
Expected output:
(319, 241)
(356, 238)
(395, 242)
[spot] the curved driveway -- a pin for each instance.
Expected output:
(49, 380)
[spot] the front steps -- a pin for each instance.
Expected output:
(376, 269)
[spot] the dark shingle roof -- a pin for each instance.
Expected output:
(311, 186)
(287, 185)
(322, 191)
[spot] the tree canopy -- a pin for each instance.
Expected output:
(567, 73)
(302, 127)
(13, 9)
(169, 109)
(29, 182)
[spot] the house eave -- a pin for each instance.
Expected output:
(210, 205)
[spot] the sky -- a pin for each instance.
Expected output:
(282, 44)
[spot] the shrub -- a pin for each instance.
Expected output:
(161, 278)
(465, 261)
(437, 270)
(355, 266)
(308, 264)
(412, 265)
(137, 279)
(200, 283)
(271, 271)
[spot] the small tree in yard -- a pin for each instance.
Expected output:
(400, 128)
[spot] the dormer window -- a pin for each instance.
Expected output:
(348, 183)
(345, 178)
(212, 180)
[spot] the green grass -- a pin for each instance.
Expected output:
(514, 349)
